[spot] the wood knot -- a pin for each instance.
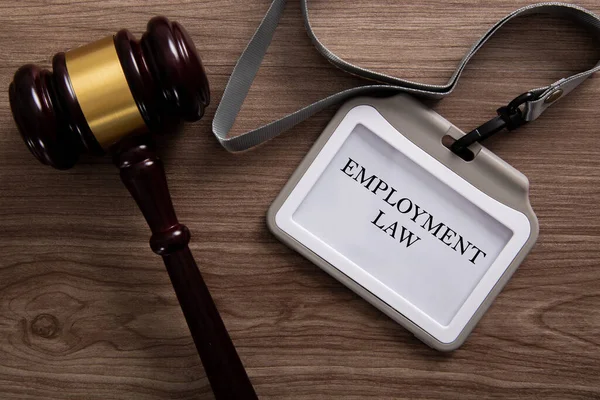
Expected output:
(45, 325)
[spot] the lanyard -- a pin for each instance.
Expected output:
(533, 103)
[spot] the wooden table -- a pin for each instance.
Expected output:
(87, 310)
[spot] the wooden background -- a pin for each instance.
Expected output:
(87, 310)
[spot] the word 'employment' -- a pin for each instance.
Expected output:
(412, 211)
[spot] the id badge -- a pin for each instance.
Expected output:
(384, 207)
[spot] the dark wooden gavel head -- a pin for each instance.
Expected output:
(107, 90)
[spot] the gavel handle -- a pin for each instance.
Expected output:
(143, 174)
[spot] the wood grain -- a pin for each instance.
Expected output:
(88, 313)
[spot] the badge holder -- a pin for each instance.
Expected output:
(383, 206)
(396, 202)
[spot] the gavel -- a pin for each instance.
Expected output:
(107, 97)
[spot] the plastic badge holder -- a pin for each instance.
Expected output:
(426, 237)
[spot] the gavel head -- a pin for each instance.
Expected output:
(115, 87)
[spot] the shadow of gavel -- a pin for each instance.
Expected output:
(106, 98)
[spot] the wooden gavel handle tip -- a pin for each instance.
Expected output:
(223, 366)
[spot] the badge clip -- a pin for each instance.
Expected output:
(509, 117)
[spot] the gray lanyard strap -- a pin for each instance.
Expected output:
(249, 62)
